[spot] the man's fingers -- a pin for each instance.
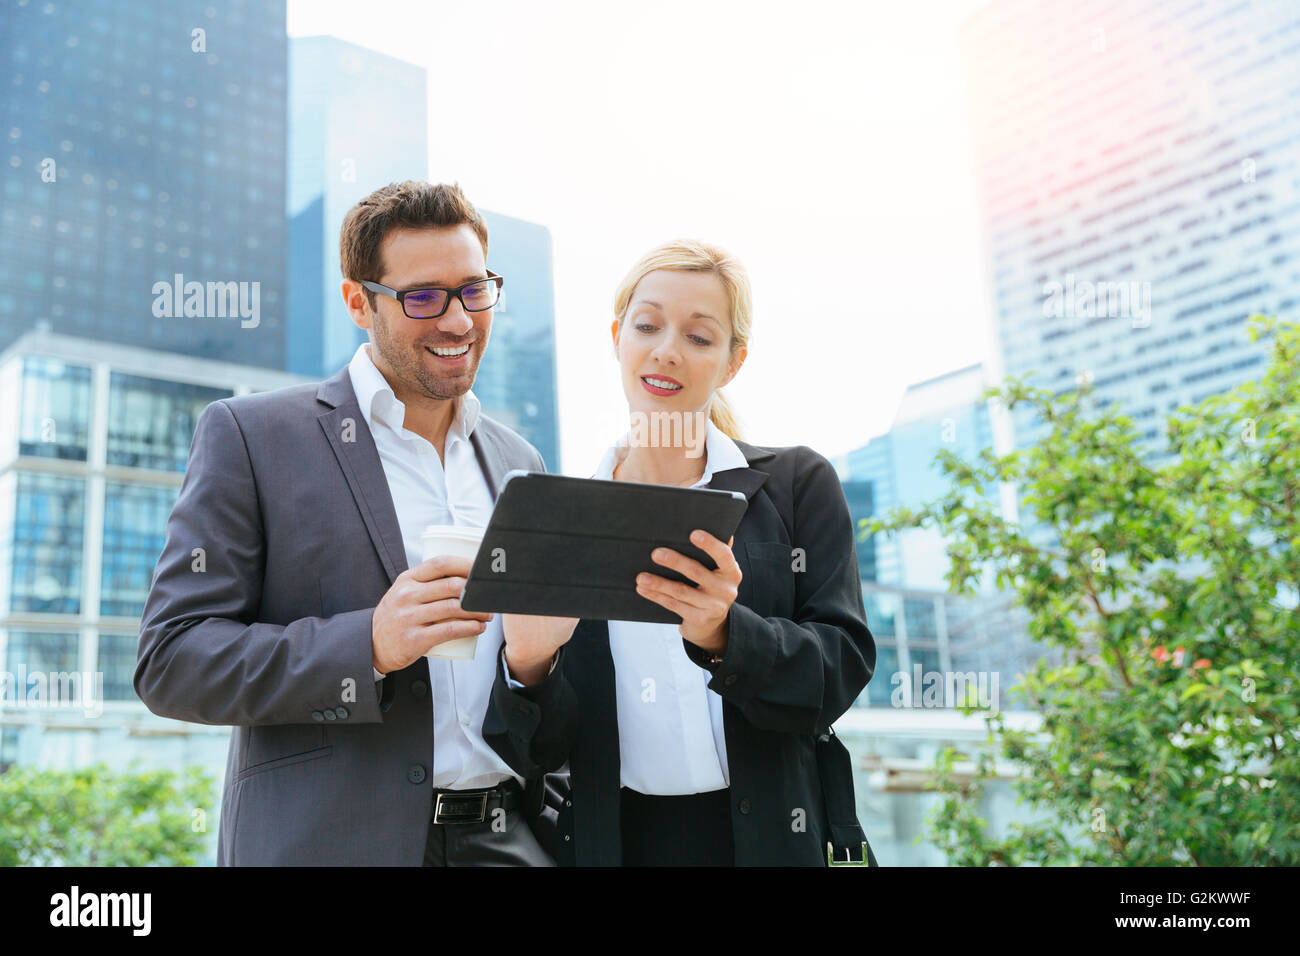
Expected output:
(451, 630)
(441, 566)
(448, 609)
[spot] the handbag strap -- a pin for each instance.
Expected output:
(835, 767)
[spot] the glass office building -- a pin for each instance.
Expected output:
(1138, 168)
(516, 379)
(92, 455)
(357, 121)
(942, 413)
(144, 148)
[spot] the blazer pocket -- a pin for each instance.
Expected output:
(767, 578)
(279, 762)
(770, 551)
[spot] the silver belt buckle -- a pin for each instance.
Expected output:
(465, 813)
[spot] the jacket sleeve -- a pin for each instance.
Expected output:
(532, 728)
(800, 674)
(203, 655)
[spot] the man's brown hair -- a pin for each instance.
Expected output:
(408, 205)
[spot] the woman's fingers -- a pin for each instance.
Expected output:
(651, 586)
(719, 552)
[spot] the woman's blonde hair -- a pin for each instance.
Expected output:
(690, 255)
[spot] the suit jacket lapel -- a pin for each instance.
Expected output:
(745, 480)
(354, 447)
(490, 459)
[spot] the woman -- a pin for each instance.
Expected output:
(697, 744)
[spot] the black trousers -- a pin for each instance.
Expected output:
(502, 839)
(690, 830)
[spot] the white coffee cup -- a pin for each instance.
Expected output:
(462, 542)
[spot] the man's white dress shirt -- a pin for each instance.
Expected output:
(670, 732)
(453, 491)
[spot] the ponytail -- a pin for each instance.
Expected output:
(723, 418)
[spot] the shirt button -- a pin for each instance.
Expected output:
(464, 720)
(317, 715)
(744, 805)
(418, 688)
(415, 773)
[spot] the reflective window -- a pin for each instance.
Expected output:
(31, 651)
(151, 421)
(882, 684)
(53, 409)
(117, 657)
(135, 519)
(47, 540)
(919, 615)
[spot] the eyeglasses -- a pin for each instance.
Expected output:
(477, 296)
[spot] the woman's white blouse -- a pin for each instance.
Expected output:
(670, 731)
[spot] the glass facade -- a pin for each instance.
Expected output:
(945, 634)
(45, 542)
(81, 530)
(516, 380)
(52, 401)
(1138, 172)
(135, 522)
(117, 656)
(357, 121)
(943, 413)
(144, 143)
(33, 651)
(151, 421)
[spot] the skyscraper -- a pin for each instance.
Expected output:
(143, 183)
(1138, 166)
(516, 380)
(357, 121)
(944, 412)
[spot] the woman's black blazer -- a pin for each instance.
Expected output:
(798, 654)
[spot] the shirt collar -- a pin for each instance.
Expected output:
(720, 452)
(377, 401)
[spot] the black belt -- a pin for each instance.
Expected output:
(475, 806)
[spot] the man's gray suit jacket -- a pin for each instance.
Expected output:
(282, 541)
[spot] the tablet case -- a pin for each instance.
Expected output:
(572, 547)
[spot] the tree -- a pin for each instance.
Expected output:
(96, 817)
(1169, 583)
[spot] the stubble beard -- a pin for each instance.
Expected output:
(408, 364)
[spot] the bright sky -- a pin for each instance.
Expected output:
(828, 150)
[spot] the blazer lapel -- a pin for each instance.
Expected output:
(489, 457)
(745, 480)
(354, 447)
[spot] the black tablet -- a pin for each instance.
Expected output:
(572, 547)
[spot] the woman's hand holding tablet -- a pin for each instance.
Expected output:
(704, 610)
(531, 643)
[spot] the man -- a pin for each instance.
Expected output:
(291, 600)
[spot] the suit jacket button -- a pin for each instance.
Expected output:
(418, 688)
(566, 838)
(341, 712)
(744, 805)
(329, 714)
(415, 773)
(317, 715)
(729, 679)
